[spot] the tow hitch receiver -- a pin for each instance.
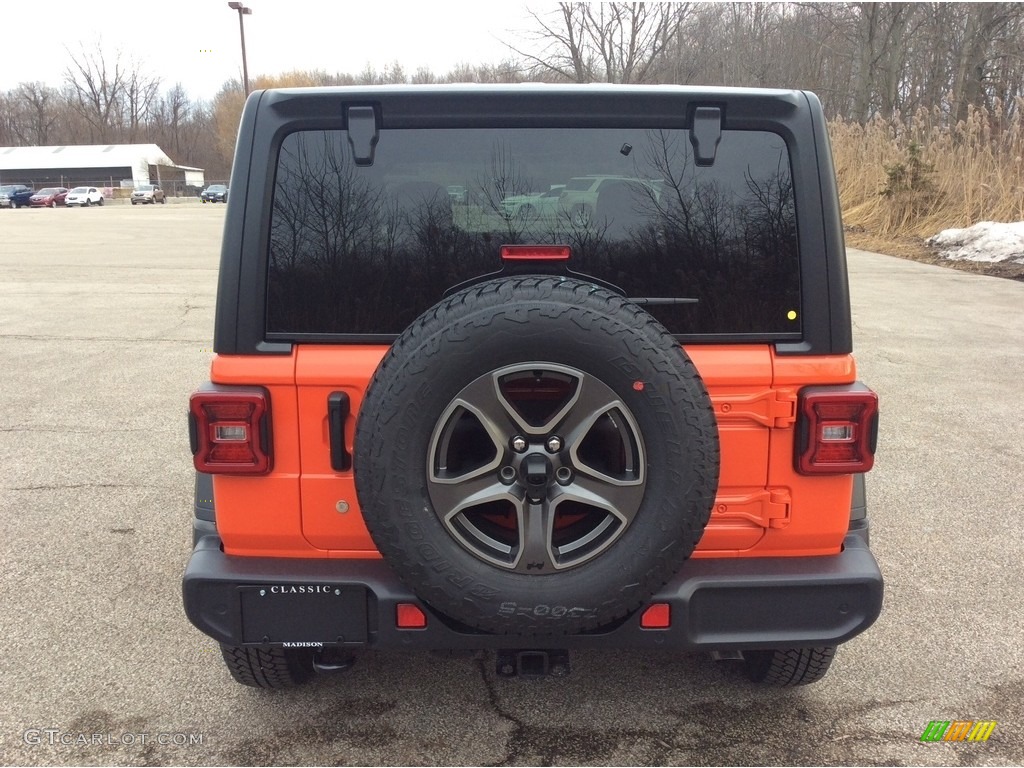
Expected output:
(533, 663)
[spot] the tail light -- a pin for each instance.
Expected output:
(229, 430)
(536, 252)
(837, 430)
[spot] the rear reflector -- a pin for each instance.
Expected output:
(228, 429)
(410, 616)
(535, 252)
(837, 431)
(657, 616)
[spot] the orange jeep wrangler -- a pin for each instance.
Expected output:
(434, 424)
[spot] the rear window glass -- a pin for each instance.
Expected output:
(366, 249)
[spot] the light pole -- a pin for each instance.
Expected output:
(242, 11)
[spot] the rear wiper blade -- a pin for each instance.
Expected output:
(652, 300)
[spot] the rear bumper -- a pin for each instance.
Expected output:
(725, 604)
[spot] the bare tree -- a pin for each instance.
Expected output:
(609, 42)
(141, 93)
(96, 88)
(424, 76)
(881, 31)
(391, 74)
(565, 38)
(39, 111)
(169, 118)
(984, 25)
(862, 58)
(8, 120)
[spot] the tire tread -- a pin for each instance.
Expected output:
(790, 666)
(267, 667)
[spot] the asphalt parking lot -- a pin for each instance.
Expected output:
(106, 318)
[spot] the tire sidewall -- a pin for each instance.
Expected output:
(394, 435)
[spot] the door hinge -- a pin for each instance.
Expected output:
(770, 408)
(769, 508)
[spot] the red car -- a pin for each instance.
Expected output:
(50, 197)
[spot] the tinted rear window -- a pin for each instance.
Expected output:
(366, 249)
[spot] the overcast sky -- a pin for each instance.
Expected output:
(196, 42)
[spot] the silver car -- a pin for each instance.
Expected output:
(148, 194)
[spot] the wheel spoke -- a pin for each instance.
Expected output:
(485, 402)
(452, 496)
(554, 373)
(619, 498)
(535, 540)
(480, 401)
(593, 399)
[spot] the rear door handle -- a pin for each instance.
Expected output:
(337, 414)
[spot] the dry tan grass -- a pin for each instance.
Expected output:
(903, 180)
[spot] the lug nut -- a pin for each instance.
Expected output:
(554, 444)
(519, 444)
(563, 475)
(507, 475)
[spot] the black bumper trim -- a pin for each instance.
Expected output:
(716, 604)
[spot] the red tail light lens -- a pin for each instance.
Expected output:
(838, 430)
(410, 616)
(229, 431)
(535, 252)
(656, 616)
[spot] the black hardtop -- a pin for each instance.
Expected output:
(540, 105)
(269, 116)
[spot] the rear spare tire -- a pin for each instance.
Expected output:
(536, 455)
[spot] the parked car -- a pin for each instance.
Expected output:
(215, 193)
(579, 198)
(535, 205)
(15, 196)
(148, 193)
(50, 197)
(84, 196)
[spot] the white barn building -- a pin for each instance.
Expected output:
(107, 165)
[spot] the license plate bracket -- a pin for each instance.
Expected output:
(304, 613)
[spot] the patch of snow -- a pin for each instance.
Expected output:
(990, 241)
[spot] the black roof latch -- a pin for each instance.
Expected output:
(362, 134)
(705, 133)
